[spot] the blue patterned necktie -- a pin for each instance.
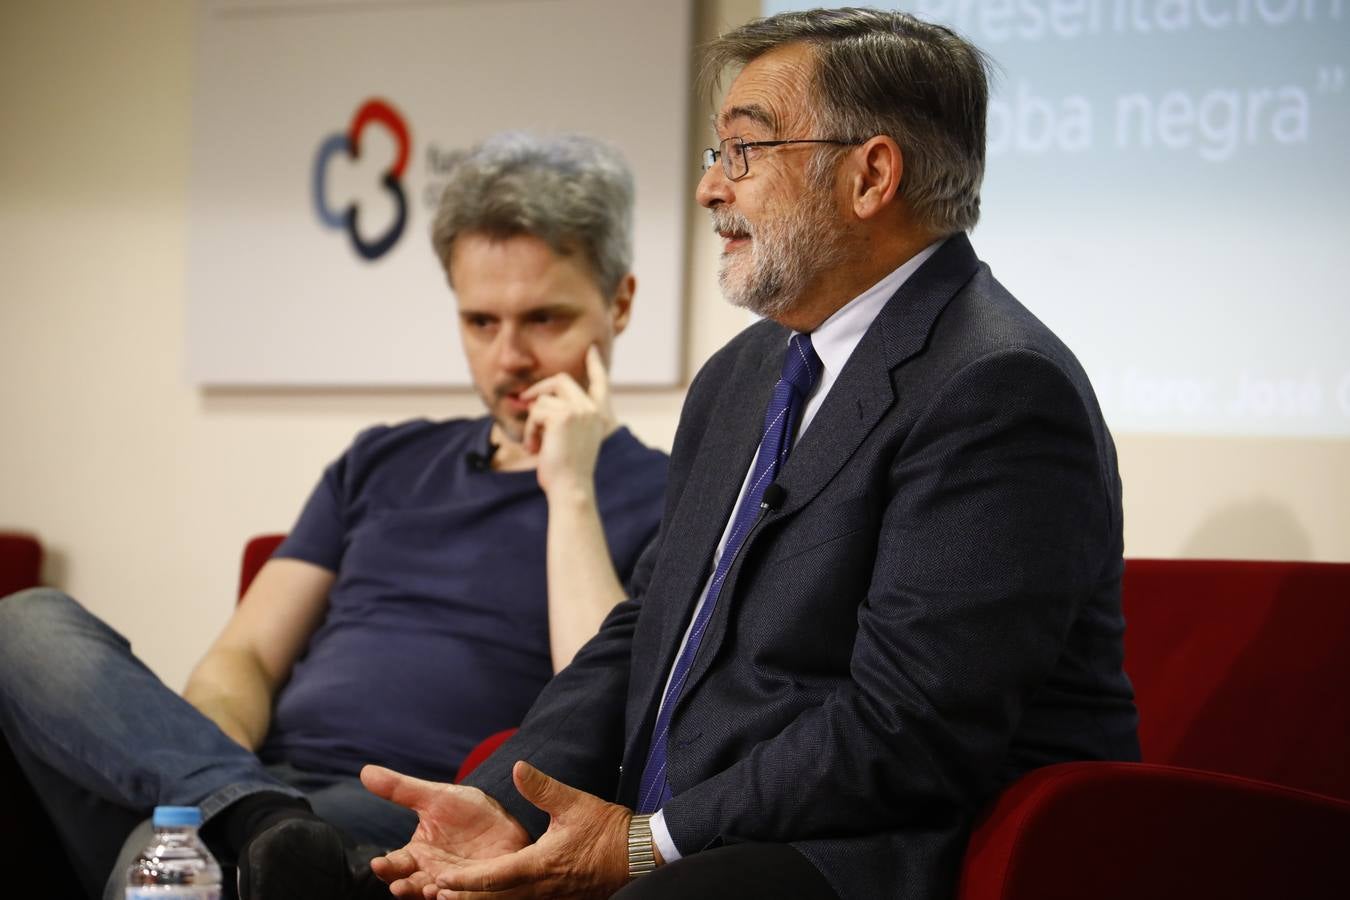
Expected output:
(801, 372)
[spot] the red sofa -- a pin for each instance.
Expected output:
(1242, 677)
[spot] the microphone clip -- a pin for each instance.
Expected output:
(773, 497)
(481, 462)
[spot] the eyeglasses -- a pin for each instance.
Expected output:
(736, 161)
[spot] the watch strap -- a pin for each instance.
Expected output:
(641, 850)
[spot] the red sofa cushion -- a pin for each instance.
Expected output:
(1127, 831)
(1243, 667)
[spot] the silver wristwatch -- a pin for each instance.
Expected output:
(641, 850)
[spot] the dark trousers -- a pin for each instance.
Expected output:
(736, 872)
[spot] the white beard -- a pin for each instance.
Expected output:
(786, 252)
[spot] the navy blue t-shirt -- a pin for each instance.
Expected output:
(437, 627)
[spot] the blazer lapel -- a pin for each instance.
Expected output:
(864, 392)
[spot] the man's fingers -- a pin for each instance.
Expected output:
(544, 413)
(540, 387)
(548, 404)
(499, 874)
(535, 423)
(550, 795)
(379, 780)
(557, 385)
(401, 789)
(406, 887)
(597, 377)
(598, 389)
(530, 439)
(406, 877)
(413, 886)
(394, 865)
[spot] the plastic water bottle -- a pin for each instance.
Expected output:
(176, 864)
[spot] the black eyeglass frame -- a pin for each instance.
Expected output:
(711, 155)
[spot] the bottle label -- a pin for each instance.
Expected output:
(174, 892)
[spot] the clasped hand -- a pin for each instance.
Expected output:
(468, 846)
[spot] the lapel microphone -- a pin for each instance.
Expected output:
(773, 498)
(481, 462)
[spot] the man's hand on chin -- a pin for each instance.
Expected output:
(456, 825)
(584, 853)
(566, 426)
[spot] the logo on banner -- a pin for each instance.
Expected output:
(378, 113)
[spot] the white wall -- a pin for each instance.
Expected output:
(144, 489)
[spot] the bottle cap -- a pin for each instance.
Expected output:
(169, 816)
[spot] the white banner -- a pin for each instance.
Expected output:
(311, 266)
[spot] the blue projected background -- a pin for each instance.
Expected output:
(1169, 189)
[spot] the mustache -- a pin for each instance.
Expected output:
(727, 221)
(503, 388)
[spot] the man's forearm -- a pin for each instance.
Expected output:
(232, 690)
(582, 585)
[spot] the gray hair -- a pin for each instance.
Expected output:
(887, 73)
(572, 192)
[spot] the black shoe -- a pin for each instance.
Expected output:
(296, 859)
(366, 885)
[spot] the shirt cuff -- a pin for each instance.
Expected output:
(661, 837)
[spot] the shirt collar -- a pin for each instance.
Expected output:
(835, 339)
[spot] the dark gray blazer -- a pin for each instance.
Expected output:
(933, 610)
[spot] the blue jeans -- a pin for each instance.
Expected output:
(103, 741)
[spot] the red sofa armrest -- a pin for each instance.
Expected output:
(482, 752)
(257, 552)
(20, 562)
(1112, 831)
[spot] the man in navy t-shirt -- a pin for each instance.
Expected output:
(438, 575)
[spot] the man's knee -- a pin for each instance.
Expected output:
(34, 625)
(32, 612)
